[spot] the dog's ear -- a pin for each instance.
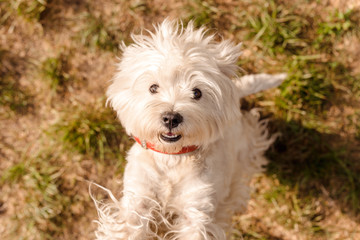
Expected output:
(226, 56)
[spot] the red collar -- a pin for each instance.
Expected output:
(147, 145)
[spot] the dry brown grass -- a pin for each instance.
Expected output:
(57, 56)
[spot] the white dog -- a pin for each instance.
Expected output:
(176, 92)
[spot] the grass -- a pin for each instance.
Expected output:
(311, 187)
(338, 25)
(29, 9)
(98, 35)
(12, 95)
(318, 161)
(318, 80)
(315, 72)
(93, 131)
(202, 12)
(55, 71)
(307, 89)
(293, 214)
(49, 179)
(304, 214)
(277, 30)
(41, 179)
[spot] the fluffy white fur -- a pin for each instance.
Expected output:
(189, 196)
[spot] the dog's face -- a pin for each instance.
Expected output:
(173, 88)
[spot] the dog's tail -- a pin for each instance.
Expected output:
(254, 83)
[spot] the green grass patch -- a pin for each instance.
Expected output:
(307, 89)
(304, 45)
(56, 71)
(313, 85)
(14, 173)
(293, 211)
(202, 12)
(28, 9)
(12, 94)
(97, 34)
(45, 206)
(284, 211)
(337, 25)
(276, 29)
(93, 130)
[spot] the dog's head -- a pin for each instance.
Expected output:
(173, 87)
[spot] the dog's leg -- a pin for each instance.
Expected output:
(196, 218)
(141, 214)
(199, 226)
(131, 218)
(134, 217)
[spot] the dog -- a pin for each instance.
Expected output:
(177, 93)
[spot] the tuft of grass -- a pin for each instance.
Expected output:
(46, 205)
(317, 77)
(141, 6)
(12, 94)
(307, 89)
(277, 29)
(313, 85)
(14, 173)
(283, 211)
(295, 212)
(28, 9)
(202, 12)
(97, 34)
(337, 25)
(56, 71)
(94, 131)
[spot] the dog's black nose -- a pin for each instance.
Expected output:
(171, 119)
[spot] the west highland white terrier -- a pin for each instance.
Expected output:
(176, 92)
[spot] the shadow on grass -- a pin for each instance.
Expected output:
(317, 164)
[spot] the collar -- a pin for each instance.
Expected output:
(147, 145)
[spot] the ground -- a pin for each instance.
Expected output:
(57, 136)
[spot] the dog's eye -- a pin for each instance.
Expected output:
(197, 94)
(153, 88)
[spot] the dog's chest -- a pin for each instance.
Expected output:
(176, 179)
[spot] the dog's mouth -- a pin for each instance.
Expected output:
(170, 137)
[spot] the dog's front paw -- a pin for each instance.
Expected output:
(120, 220)
(132, 227)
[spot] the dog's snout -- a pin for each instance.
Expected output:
(171, 119)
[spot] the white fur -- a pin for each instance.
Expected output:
(188, 196)
(250, 84)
